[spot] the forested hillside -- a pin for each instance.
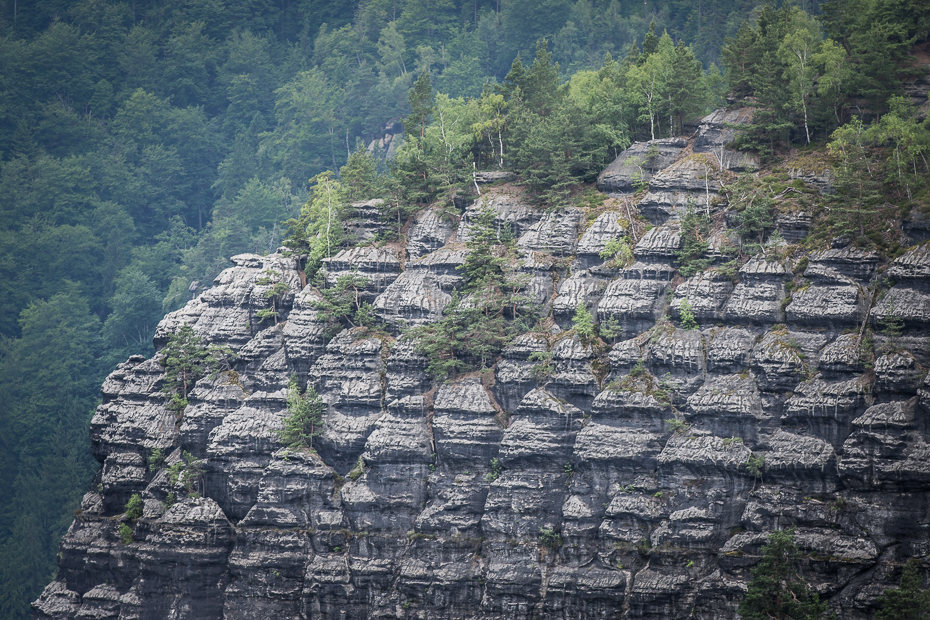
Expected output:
(142, 143)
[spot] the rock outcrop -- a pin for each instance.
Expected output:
(637, 476)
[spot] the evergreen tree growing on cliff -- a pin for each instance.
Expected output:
(186, 361)
(909, 601)
(475, 327)
(777, 590)
(305, 419)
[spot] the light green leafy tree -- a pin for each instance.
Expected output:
(797, 51)
(648, 82)
(318, 230)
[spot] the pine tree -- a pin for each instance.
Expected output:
(475, 327)
(686, 88)
(740, 58)
(541, 91)
(421, 106)
(910, 600)
(360, 177)
(305, 417)
(186, 361)
(695, 235)
(777, 590)
(583, 323)
(341, 305)
(318, 230)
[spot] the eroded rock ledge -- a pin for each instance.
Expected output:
(519, 496)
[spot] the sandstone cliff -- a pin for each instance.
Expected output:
(516, 494)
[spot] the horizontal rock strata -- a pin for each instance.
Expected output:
(637, 476)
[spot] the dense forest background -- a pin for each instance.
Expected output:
(143, 142)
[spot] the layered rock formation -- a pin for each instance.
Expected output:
(635, 478)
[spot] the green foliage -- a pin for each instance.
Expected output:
(617, 252)
(170, 500)
(125, 533)
(341, 306)
(496, 470)
(857, 197)
(360, 177)
(687, 315)
(188, 471)
(489, 251)
(136, 311)
(305, 417)
(358, 470)
(475, 328)
(678, 426)
(421, 106)
(545, 368)
(695, 236)
(186, 361)
(49, 385)
(277, 288)
(549, 538)
(318, 231)
(777, 589)
(610, 329)
(134, 507)
(638, 369)
(192, 476)
(755, 465)
(583, 323)
(142, 144)
(891, 326)
(562, 136)
(910, 600)
(156, 459)
(753, 222)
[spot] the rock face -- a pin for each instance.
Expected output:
(636, 477)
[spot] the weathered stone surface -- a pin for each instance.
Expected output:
(707, 293)
(716, 130)
(421, 292)
(758, 296)
(486, 177)
(728, 350)
(430, 231)
(636, 298)
(841, 265)
(912, 266)
(365, 222)
(379, 267)
(828, 408)
(638, 164)
(608, 226)
(583, 287)
(729, 406)
(555, 233)
(691, 179)
(510, 210)
(793, 227)
(576, 478)
(225, 315)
